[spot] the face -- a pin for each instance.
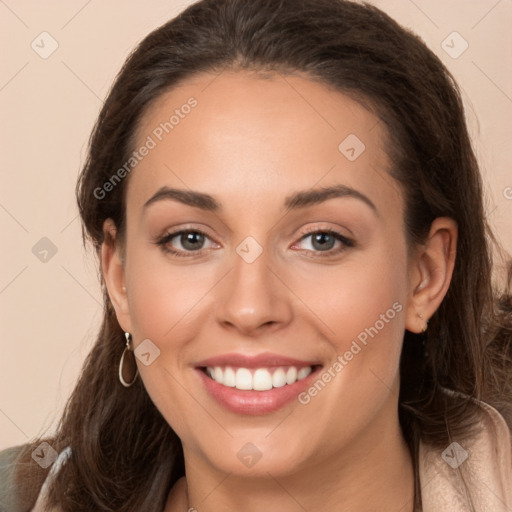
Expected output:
(265, 243)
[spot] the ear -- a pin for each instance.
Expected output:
(112, 267)
(430, 273)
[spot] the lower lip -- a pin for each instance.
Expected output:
(255, 402)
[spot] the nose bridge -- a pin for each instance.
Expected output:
(253, 296)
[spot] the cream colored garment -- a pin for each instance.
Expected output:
(487, 471)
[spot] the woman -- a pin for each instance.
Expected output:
(293, 250)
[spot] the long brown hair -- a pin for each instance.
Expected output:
(125, 457)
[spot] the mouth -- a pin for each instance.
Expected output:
(255, 385)
(258, 379)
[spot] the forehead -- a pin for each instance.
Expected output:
(237, 132)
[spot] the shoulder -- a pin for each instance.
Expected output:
(26, 494)
(61, 458)
(475, 470)
(12, 498)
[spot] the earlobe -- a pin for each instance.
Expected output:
(430, 273)
(112, 268)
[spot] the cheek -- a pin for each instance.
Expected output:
(365, 291)
(164, 297)
(360, 309)
(166, 305)
(362, 305)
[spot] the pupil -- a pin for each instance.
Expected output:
(192, 241)
(323, 241)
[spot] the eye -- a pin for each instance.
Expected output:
(182, 242)
(191, 241)
(326, 241)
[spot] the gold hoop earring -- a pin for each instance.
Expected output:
(123, 381)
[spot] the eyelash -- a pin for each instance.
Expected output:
(164, 241)
(346, 243)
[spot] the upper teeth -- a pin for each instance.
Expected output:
(260, 379)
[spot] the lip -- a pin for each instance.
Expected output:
(250, 402)
(264, 360)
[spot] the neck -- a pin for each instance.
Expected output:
(373, 473)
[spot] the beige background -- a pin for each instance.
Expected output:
(50, 311)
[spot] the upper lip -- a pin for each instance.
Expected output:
(264, 360)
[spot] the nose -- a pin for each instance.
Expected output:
(253, 299)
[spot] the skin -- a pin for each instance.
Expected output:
(250, 143)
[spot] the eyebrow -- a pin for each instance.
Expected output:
(297, 200)
(317, 196)
(188, 197)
